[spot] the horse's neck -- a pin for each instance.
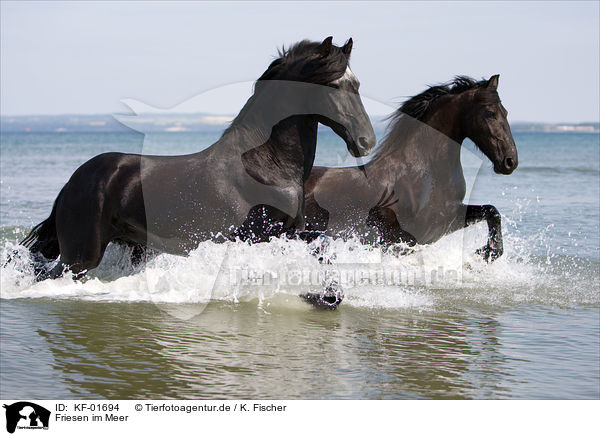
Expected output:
(290, 147)
(293, 142)
(434, 142)
(267, 128)
(447, 117)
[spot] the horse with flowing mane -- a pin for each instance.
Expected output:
(413, 188)
(249, 185)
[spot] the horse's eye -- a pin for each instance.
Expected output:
(489, 114)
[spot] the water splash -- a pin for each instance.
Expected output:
(445, 274)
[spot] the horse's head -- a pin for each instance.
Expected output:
(352, 123)
(335, 101)
(487, 126)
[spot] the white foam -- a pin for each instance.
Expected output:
(438, 275)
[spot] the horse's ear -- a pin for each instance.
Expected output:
(325, 47)
(347, 48)
(493, 82)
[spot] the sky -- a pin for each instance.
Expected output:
(84, 58)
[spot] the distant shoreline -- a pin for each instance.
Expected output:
(204, 123)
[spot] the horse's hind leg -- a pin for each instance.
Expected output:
(82, 242)
(80, 257)
(53, 273)
(76, 256)
(385, 221)
(494, 247)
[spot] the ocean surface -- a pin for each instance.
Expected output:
(227, 322)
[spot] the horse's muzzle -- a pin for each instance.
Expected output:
(364, 146)
(507, 166)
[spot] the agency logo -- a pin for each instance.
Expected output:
(26, 415)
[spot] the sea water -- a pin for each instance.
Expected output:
(227, 322)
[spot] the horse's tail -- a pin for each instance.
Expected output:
(43, 238)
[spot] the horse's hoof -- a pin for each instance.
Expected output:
(328, 300)
(489, 254)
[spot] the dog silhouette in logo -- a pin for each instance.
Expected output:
(30, 413)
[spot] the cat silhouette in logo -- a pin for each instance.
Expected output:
(30, 413)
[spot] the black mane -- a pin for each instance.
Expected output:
(409, 117)
(418, 105)
(302, 62)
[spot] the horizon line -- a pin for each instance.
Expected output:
(129, 113)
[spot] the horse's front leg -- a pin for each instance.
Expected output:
(264, 222)
(333, 293)
(494, 248)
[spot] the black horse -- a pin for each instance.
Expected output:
(412, 190)
(249, 185)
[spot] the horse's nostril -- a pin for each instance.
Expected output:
(363, 142)
(509, 163)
